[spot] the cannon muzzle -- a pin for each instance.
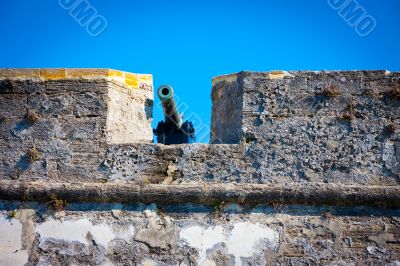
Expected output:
(172, 130)
(171, 116)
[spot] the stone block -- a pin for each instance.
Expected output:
(238, 98)
(70, 116)
(339, 126)
(235, 234)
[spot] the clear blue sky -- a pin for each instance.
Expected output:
(186, 43)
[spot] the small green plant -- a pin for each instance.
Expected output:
(12, 214)
(103, 180)
(347, 117)
(394, 93)
(331, 91)
(32, 117)
(218, 206)
(3, 119)
(392, 128)
(56, 204)
(349, 114)
(16, 174)
(327, 215)
(372, 93)
(160, 212)
(156, 179)
(241, 200)
(170, 169)
(278, 206)
(33, 155)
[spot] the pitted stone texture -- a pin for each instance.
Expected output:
(129, 115)
(300, 94)
(250, 163)
(154, 163)
(226, 116)
(69, 123)
(89, 234)
(352, 133)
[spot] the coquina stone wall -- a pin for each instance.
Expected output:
(303, 169)
(337, 124)
(116, 234)
(57, 123)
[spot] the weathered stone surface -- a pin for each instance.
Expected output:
(201, 193)
(291, 131)
(318, 150)
(69, 116)
(129, 115)
(283, 162)
(88, 234)
(280, 95)
(226, 119)
(342, 124)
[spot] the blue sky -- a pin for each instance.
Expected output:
(186, 43)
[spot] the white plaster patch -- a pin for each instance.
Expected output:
(245, 239)
(203, 238)
(11, 252)
(148, 262)
(77, 230)
(25, 216)
(208, 263)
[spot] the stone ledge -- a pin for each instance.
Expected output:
(209, 194)
(280, 74)
(130, 80)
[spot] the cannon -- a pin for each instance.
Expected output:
(172, 130)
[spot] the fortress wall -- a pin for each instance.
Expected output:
(224, 163)
(339, 123)
(290, 129)
(66, 119)
(115, 234)
(304, 176)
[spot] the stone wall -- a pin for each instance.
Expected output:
(223, 163)
(57, 123)
(115, 234)
(306, 171)
(342, 124)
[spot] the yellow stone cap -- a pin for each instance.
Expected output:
(227, 78)
(131, 80)
(275, 74)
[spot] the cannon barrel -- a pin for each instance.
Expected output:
(172, 130)
(171, 116)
